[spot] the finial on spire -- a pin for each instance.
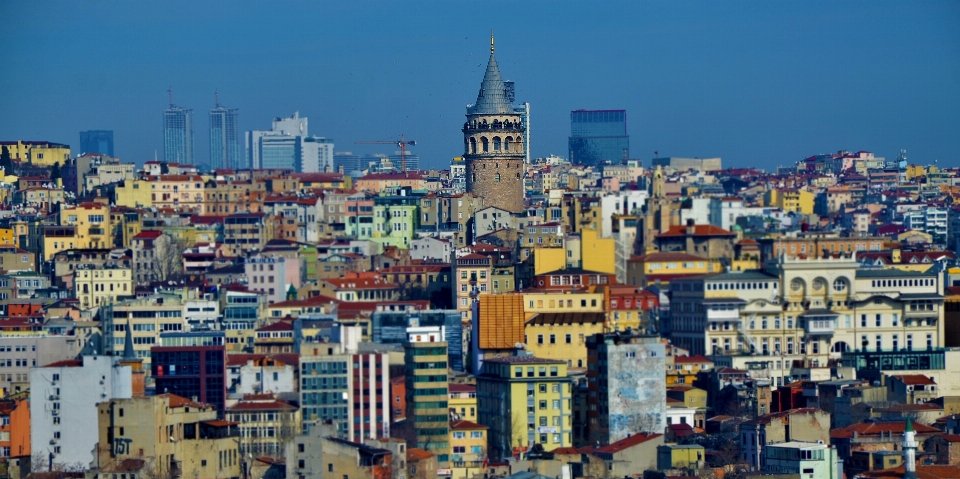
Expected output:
(491, 40)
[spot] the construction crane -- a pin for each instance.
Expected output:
(403, 143)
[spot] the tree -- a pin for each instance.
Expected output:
(167, 257)
(55, 172)
(5, 162)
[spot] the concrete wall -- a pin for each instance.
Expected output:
(636, 393)
(64, 400)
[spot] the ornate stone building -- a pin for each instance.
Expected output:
(493, 143)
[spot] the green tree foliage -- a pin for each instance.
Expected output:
(5, 162)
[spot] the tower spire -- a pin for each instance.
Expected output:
(128, 353)
(170, 92)
(491, 40)
(909, 447)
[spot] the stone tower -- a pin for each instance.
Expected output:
(493, 147)
(657, 217)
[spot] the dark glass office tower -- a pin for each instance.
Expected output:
(97, 141)
(598, 135)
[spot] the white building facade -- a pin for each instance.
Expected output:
(63, 406)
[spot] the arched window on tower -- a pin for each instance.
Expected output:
(507, 143)
(497, 178)
(474, 177)
(496, 143)
(473, 145)
(486, 144)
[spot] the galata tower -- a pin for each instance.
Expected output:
(493, 147)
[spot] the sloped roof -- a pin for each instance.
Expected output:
(627, 442)
(566, 318)
(466, 425)
(695, 230)
(915, 379)
(492, 98)
(879, 427)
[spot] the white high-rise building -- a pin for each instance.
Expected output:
(63, 405)
(288, 145)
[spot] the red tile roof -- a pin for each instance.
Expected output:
(923, 472)
(880, 427)
(695, 230)
(66, 363)
(462, 424)
(149, 234)
(697, 358)
(915, 379)
(415, 454)
(462, 388)
(180, 401)
(278, 326)
(627, 443)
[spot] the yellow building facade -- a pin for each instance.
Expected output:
(562, 336)
(41, 153)
(463, 401)
(92, 224)
(7, 237)
(100, 286)
(645, 270)
(511, 389)
(800, 201)
(468, 448)
(596, 253)
(135, 194)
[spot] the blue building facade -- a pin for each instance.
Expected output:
(598, 135)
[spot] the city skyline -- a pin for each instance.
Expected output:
(755, 84)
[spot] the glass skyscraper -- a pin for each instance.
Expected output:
(178, 135)
(225, 149)
(598, 135)
(97, 141)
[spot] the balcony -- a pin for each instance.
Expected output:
(819, 322)
(723, 309)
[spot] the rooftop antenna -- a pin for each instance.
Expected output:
(170, 92)
(216, 94)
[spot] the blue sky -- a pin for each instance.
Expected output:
(757, 83)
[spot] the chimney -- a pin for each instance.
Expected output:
(690, 222)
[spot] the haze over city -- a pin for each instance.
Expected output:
(758, 84)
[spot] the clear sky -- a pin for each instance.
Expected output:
(757, 83)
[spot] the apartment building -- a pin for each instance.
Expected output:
(813, 309)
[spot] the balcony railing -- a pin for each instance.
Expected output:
(820, 326)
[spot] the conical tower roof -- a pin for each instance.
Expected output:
(128, 353)
(492, 98)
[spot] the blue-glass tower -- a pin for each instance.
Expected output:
(598, 135)
(97, 141)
